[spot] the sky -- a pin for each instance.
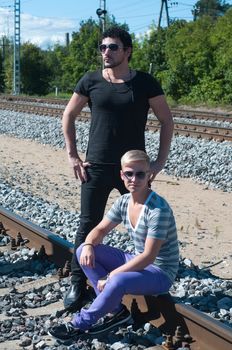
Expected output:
(45, 22)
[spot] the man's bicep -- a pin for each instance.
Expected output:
(76, 103)
(160, 108)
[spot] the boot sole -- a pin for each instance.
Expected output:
(65, 341)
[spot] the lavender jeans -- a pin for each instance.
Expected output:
(149, 281)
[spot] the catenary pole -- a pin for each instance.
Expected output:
(101, 12)
(163, 3)
(16, 73)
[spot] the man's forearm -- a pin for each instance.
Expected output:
(166, 133)
(69, 132)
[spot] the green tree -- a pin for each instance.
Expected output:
(215, 84)
(8, 65)
(222, 53)
(55, 60)
(148, 51)
(189, 56)
(35, 73)
(1, 72)
(212, 8)
(83, 53)
(139, 58)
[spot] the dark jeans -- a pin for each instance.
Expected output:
(102, 179)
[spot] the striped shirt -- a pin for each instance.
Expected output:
(156, 220)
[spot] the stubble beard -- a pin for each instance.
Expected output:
(112, 64)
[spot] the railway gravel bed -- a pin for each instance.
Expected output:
(208, 162)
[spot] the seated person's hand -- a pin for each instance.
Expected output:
(101, 284)
(87, 257)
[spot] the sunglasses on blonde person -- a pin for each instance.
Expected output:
(139, 174)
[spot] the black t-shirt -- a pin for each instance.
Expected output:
(118, 114)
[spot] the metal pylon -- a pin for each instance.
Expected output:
(163, 3)
(16, 82)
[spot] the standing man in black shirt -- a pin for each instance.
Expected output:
(119, 99)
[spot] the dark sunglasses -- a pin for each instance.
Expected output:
(139, 174)
(112, 47)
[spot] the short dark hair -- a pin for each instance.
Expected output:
(119, 33)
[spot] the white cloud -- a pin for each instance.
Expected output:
(41, 31)
(6, 22)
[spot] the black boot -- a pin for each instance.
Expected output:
(77, 297)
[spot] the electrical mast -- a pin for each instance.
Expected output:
(16, 75)
(101, 12)
(163, 3)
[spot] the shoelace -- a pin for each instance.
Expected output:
(69, 326)
(103, 319)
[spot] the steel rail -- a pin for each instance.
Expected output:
(195, 130)
(59, 249)
(14, 98)
(161, 311)
(177, 112)
(200, 114)
(38, 107)
(32, 109)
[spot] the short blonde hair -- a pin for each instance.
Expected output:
(135, 156)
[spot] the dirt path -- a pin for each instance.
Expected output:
(203, 216)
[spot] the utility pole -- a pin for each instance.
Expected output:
(163, 3)
(16, 75)
(101, 12)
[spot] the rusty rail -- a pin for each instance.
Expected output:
(57, 248)
(176, 112)
(161, 311)
(200, 114)
(195, 130)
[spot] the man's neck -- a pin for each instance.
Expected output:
(118, 74)
(115, 75)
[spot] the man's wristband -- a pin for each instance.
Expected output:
(88, 244)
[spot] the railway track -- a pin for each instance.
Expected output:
(174, 320)
(196, 129)
(177, 112)
(203, 115)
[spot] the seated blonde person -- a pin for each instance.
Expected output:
(151, 270)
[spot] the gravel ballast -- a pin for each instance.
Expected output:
(208, 162)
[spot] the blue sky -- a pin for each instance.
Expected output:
(45, 22)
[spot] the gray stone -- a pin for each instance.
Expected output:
(25, 341)
(225, 303)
